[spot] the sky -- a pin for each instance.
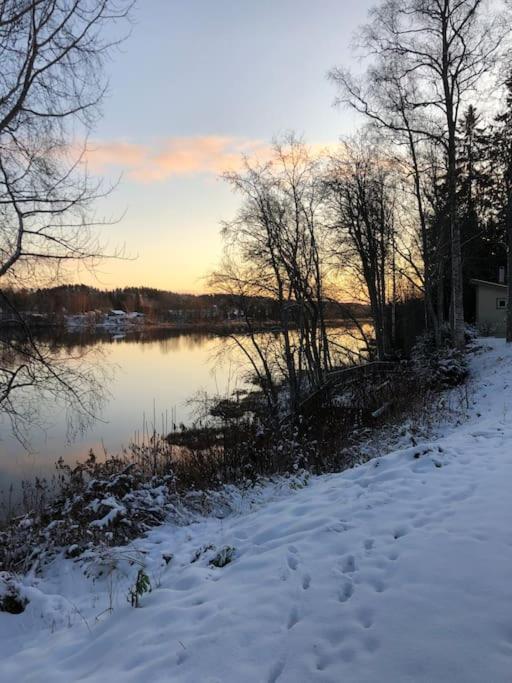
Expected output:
(196, 84)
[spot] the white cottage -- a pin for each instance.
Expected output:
(491, 307)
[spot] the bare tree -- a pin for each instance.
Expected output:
(273, 249)
(241, 283)
(52, 55)
(428, 56)
(361, 201)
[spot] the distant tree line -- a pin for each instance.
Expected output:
(156, 304)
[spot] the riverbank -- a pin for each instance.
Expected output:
(152, 376)
(237, 442)
(371, 575)
(241, 326)
(42, 324)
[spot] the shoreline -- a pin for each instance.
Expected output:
(219, 327)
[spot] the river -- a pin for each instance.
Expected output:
(152, 378)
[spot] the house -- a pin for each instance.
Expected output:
(135, 317)
(117, 318)
(491, 306)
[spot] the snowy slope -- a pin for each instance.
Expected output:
(398, 570)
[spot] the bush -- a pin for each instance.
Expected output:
(142, 585)
(486, 329)
(440, 367)
(223, 557)
(111, 501)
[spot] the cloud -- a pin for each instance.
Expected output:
(173, 157)
(102, 155)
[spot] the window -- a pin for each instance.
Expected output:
(501, 303)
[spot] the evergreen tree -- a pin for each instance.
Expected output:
(474, 183)
(502, 153)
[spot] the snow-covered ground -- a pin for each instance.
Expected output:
(398, 570)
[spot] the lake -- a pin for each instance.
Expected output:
(152, 377)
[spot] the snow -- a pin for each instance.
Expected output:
(398, 570)
(115, 511)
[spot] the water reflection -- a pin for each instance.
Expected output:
(155, 373)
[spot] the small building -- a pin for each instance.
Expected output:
(491, 307)
(135, 316)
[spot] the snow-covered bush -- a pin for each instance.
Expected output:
(216, 557)
(224, 556)
(471, 334)
(440, 367)
(112, 501)
(103, 505)
(486, 329)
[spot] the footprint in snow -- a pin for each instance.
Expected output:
(322, 658)
(348, 565)
(335, 636)
(322, 662)
(293, 561)
(378, 585)
(276, 671)
(306, 581)
(338, 527)
(294, 618)
(346, 591)
(399, 532)
(371, 644)
(365, 617)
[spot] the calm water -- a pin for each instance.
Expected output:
(152, 381)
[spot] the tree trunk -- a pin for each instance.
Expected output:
(457, 292)
(509, 268)
(457, 302)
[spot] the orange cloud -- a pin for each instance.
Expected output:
(173, 157)
(101, 155)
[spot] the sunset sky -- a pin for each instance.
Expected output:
(196, 85)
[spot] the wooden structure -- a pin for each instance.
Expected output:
(343, 377)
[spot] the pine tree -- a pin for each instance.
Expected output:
(502, 153)
(474, 183)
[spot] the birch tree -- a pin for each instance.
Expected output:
(439, 53)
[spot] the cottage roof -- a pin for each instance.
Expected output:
(477, 282)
